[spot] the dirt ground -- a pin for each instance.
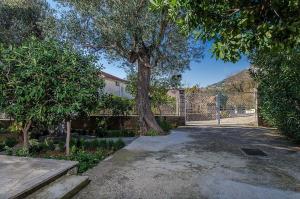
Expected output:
(200, 162)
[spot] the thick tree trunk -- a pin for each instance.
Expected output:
(146, 118)
(68, 138)
(25, 131)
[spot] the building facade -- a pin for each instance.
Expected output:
(115, 85)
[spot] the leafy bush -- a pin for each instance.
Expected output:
(114, 133)
(279, 90)
(119, 144)
(87, 159)
(165, 125)
(15, 127)
(8, 150)
(10, 142)
(2, 130)
(2, 146)
(98, 144)
(152, 133)
(80, 151)
(22, 152)
(35, 146)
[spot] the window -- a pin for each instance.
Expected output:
(117, 83)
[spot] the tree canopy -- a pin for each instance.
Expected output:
(130, 32)
(238, 27)
(47, 82)
(22, 19)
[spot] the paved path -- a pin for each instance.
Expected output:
(200, 162)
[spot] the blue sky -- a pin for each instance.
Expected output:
(204, 73)
(207, 72)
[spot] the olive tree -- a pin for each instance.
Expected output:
(47, 82)
(126, 30)
(22, 19)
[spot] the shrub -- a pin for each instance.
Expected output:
(279, 90)
(152, 132)
(165, 125)
(2, 130)
(22, 152)
(8, 150)
(87, 159)
(102, 144)
(119, 144)
(2, 146)
(61, 146)
(98, 144)
(35, 146)
(49, 144)
(10, 142)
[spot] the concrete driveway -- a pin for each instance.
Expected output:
(200, 162)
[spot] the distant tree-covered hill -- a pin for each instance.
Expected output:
(240, 82)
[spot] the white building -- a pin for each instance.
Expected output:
(115, 85)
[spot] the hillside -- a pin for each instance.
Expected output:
(239, 82)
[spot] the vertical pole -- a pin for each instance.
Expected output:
(68, 138)
(218, 109)
(185, 112)
(256, 107)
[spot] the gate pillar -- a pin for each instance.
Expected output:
(181, 103)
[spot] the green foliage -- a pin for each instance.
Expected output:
(238, 27)
(152, 132)
(2, 146)
(10, 142)
(97, 144)
(90, 153)
(116, 105)
(22, 152)
(21, 19)
(87, 153)
(115, 133)
(47, 81)
(122, 28)
(279, 89)
(15, 127)
(8, 150)
(127, 31)
(165, 125)
(87, 159)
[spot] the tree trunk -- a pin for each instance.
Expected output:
(25, 135)
(146, 117)
(68, 137)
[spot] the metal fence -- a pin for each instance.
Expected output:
(232, 108)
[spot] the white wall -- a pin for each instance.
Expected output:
(111, 87)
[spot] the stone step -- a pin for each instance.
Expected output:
(22, 176)
(62, 188)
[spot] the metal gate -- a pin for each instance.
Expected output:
(221, 108)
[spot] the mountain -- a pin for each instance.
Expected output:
(239, 82)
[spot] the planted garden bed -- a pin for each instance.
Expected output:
(87, 153)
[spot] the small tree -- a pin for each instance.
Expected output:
(45, 81)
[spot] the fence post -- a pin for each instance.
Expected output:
(218, 117)
(256, 107)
